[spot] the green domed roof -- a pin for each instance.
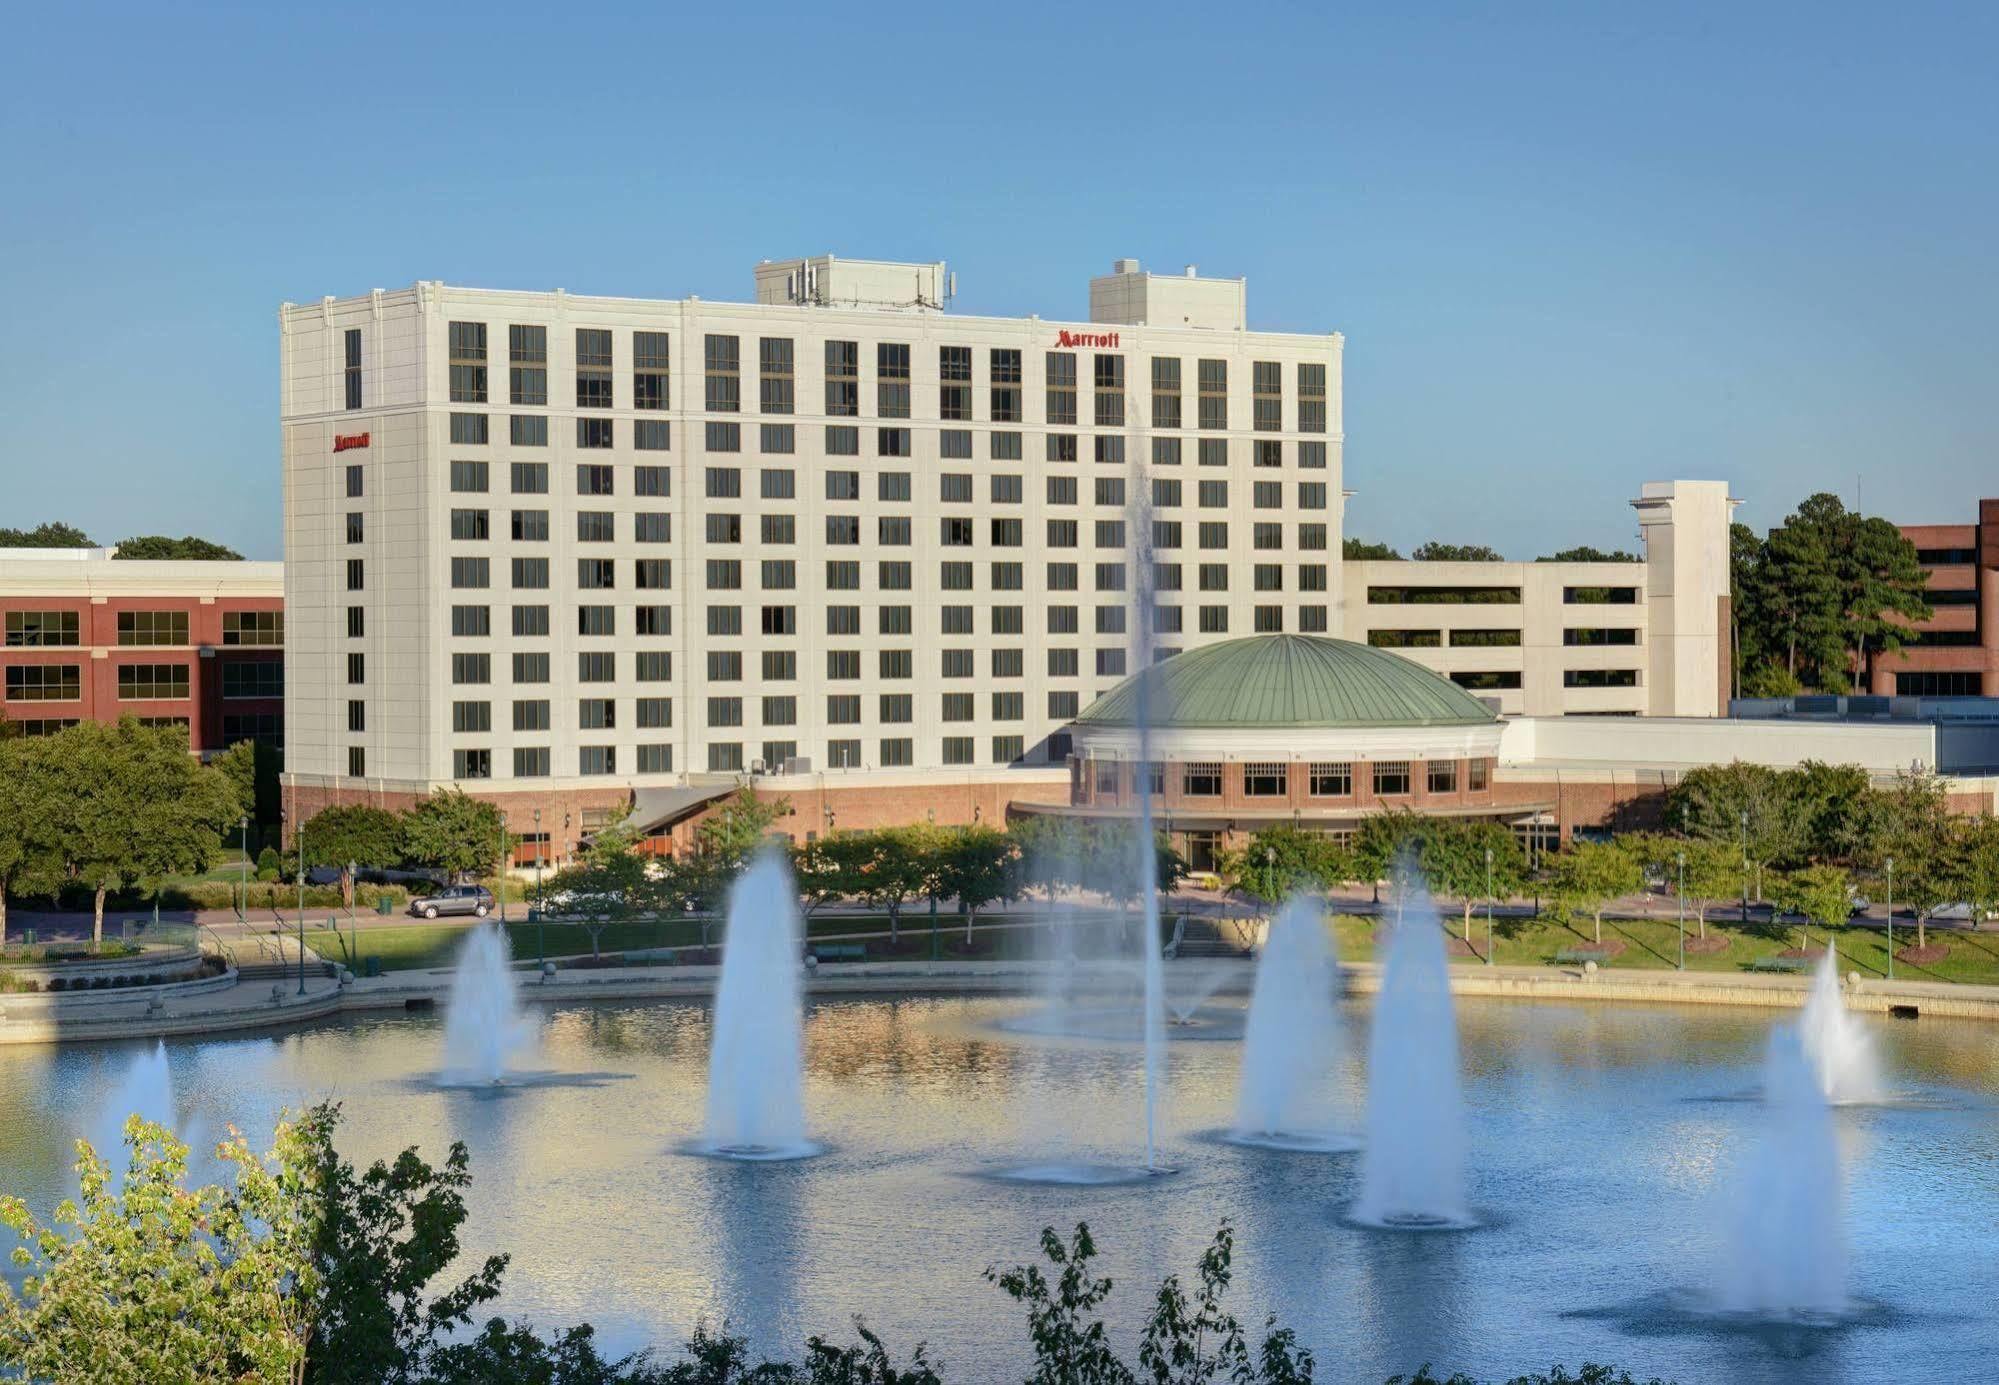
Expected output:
(1281, 681)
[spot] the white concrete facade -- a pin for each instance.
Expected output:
(1015, 519)
(1552, 639)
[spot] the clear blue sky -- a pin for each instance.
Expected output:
(1572, 246)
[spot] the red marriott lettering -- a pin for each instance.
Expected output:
(343, 441)
(1068, 338)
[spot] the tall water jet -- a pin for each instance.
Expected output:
(1784, 1255)
(1292, 1038)
(1146, 849)
(484, 1028)
(756, 1062)
(145, 1089)
(1413, 1171)
(1834, 1041)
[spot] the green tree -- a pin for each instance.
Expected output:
(380, 1238)
(1380, 840)
(1584, 553)
(1282, 860)
(20, 817)
(892, 869)
(253, 769)
(731, 834)
(976, 868)
(1435, 552)
(1473, 861)
(1713, 875)
(1911, 822)
(1587, 877)
(609, 879)
(145, 1279)
(1823, 894)
(352, 834)
(52, 534)
(1363, 551)
(454, 832)
(126, 805)
(1754, 807)
(189, 549)
(1978, 864)
(827, 868)
(1833, 807)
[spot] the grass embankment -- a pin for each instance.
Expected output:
(1648, 944)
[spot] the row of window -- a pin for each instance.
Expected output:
(724, 757)
(844, 440)
(722, 370)
(1506, 680)
(1272, 779)
(55, 629)
(1494, 639)
(141, 682)
(1494, 596)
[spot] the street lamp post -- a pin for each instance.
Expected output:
(540, 904)
(1680, 894)
(300, 830)
(353, 928)
(1891, 918)
(1488, 906)
(243, 833)
(1745, 866)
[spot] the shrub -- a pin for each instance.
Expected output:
(267, 860)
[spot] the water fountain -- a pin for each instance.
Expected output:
(1834, 1041)
(1413, 1173)
(1144, 845)
(1784, 1257)
(145, 1089)
(756, 1062)
(484, 1029)
(1292, 1038)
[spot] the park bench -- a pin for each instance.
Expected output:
(840, 952)
(1789, 964)
(1576, 956)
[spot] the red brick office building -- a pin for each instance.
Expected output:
(90, 638)
(1956, 651)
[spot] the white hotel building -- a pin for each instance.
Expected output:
(562, 550)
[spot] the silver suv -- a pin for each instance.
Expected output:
(453, 899)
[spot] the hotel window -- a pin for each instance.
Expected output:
(843, 530)
(1166, 392)
(1312, 620)
(955, 444)
(1063, 663)
(1213, 495)
(1004, 447)
(843, 575)
(725, 758)
(1166, 577)
(595, 432)
(1110, 449)
(898, 753)
(1391, 777)
(356, 575)
(1109, 380)
(840, 485)
(353, 367)
(1267, 396)
(1165, 493)
(960, 750)
(152, 627)
(468, 429)
(1266, 452)
(954, 488)
(1268, 577)
(471, 526)
(896, 709)
(153, 682)
(44, 682)
(471, 716)
(955, 532)
(529, 478)
(593, 368)
(725, 620)
(1267, 495)
(1264, 779)
(357, 668)
(958, 663)
(1312, 577)
(531, 762)
(652, 480)
(592, 666)
(954, 373)
(597, 714)
(892, 486)
(529, 526)
(471, 573)
(1005, 490)
(1004, 364)
(725, 666)
(724, 483)
(958, 706)
(44, 629)
(1312, 404)
(1214, 577)
(1442, 776)
(1312, 456)
(1214, 534)
(1311, 495)
(357, 715)
(776, 386)
(471, 764)
(655, 666)
(652, 620)
(1062, 447)
(725, 711)
(780, 620)
(1201, 779)
(892, 380)
(651, 434)
(897, 663)
(530, 622)
(468, 478)
(1110, 490)
(651, 365)
(531, 714)
(1063, 705)
(955, 620)
(596, 574)
(1214, 394)
(471, 621)
(724, 574)
(780, 665)
(598, 759)
(527, 366)
(531, 430)
(843, 665)
(1214, 620)
(1006, 533)
(1061, 367)
(894, 576)
(1110, 663)
(1600, 678)
(891, 442)
(1312, 538)
(1167, 620)
(357, 622)
(654, 574)
(1332, 779)
(725, 528)
(843, 381)
(1479, 779)
(1007, 749)
(1061, 490)
(722, 356)
(596, 620)
(777, 438)
(468, 362)
(354, 482)
(893, 531)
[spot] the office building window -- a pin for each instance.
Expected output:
(1331, 779)
(147, 627)
(1391, 778)
(44, 682)
(1265, 779)
(527, 366)
(1442, 776)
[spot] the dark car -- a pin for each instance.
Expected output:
(453, 899)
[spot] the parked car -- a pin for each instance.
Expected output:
(453, 899)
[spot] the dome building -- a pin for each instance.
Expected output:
(1316, 731)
